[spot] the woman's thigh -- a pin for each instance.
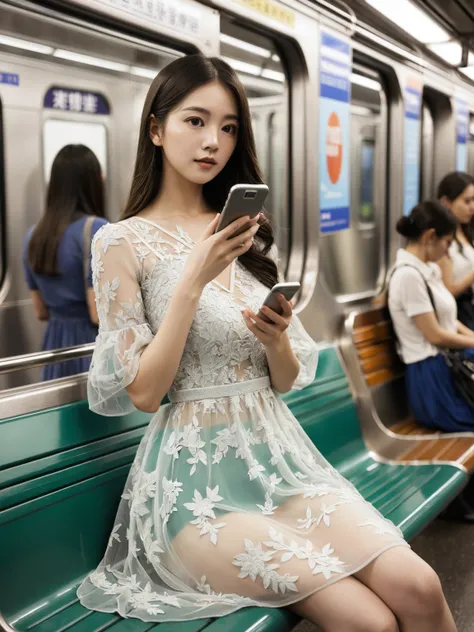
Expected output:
(347, 606)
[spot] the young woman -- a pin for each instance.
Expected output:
(228, 503)
(421, 327)
(456, 192)
(53, 256)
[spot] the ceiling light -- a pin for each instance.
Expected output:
(26, 45)
(273, 74)
(148, 73)
(411, 19)
(250, 48)
(91, 61)
(450, 52)
(365, 82)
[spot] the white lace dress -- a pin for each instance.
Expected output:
(228, 503)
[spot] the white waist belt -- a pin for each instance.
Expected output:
(222, 390)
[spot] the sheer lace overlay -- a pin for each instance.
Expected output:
(228, 503)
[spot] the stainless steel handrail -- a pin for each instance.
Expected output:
(31, 360)
(4, 626)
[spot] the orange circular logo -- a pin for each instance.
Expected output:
(334, 147)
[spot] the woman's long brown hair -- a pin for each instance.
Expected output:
(168, 89)
(75, 186)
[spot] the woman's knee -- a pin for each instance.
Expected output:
(382, 621)
(421, 594)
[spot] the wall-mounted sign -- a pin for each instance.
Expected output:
(10, 78)
(183, 16)
(462, 132)
(411, 179)
(72, 100)
(334, 131)
(270, 10)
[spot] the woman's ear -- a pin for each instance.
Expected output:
(154, 131)
(428, 236)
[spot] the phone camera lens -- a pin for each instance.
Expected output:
(250, 195)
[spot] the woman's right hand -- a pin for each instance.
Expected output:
(215, 251)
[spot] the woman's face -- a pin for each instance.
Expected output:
(463, 206)
(200, 134)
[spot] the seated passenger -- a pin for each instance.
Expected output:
(423, 326)
(456, 192)
(55, 253)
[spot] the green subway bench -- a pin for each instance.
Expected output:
(62, 472)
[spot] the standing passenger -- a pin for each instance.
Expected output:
(421, 327)
(228, 503)
(54, 256)
(456, 192)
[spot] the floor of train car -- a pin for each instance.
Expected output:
(449, 548)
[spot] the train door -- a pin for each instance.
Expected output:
(353, 260)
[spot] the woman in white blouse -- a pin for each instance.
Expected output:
(456, 192)
(424, 324)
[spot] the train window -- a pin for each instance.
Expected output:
(470, 146)
(427, 176)
(353, 259)
(261, 71)
(2, 204)
(58, 133)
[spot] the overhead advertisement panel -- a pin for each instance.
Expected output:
(334, 131)
(411, 181)
(187, 18)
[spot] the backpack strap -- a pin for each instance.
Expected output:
(86, 249)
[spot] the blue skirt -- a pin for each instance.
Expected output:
(433, 397)
(67, 332)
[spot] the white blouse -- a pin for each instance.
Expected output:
(462, 257)
(408, 297)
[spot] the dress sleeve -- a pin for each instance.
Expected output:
(124, 331)
(306, 351)
(304, 347)
(96, 225)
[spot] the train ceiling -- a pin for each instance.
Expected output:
(443, 29)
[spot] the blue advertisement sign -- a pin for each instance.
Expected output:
(462, 133)
(72, 100)
(334, 132)
(411, 185)
(10, 78)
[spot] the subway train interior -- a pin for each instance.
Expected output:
(77, 71)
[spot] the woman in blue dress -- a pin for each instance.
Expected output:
(54, 253)
(424, 325)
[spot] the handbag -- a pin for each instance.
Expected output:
(461, 369)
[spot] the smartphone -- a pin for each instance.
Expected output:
(288, 290)
(243, 199)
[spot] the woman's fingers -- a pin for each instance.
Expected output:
(211, 227)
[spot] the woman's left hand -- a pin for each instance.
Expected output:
(269, 334)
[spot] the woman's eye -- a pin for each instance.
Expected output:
(195, 121)
(230, 129)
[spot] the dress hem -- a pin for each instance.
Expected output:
(257, 605)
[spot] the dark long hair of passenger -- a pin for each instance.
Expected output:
(452, 186)
(75, 186)
(425, 216)
(169, 88)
